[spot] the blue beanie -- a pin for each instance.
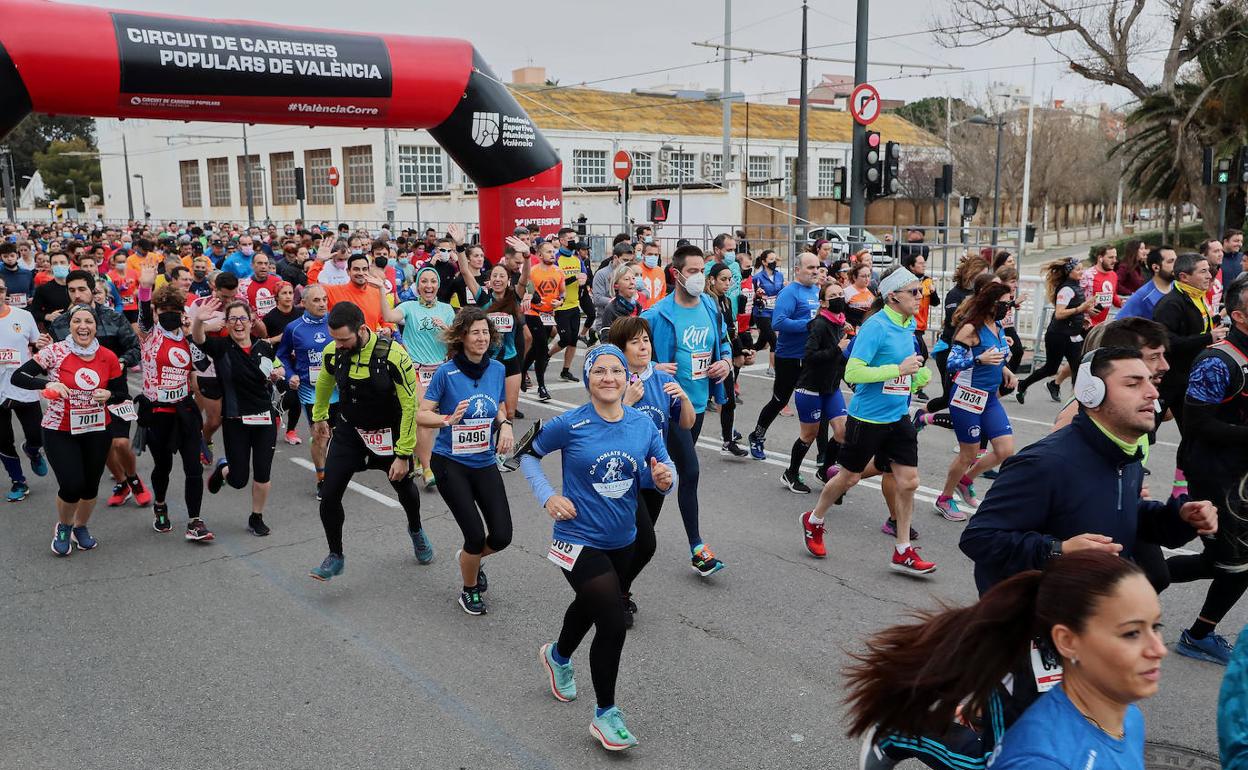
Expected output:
(602, 350)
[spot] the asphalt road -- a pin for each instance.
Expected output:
(153, 652)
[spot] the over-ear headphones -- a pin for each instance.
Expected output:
(1089, 388)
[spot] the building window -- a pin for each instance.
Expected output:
(316, 176)
(681, 166)
(257, 181)
(790, 177)
(759, 170)
(282, 169)
(827, 172)
(359, 174)
(218, 181)
(714, 166)
(589, 167)
(421, 169)
(643, 168)
(188, 171)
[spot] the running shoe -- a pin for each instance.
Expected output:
(121, 493)
(1055, 391)
(704, 561)
(948, 507)
(519, 415)
(1212, 649)
(757, 450)
(292, 438)
(771, 372)
(1021, 396)
(256, 525)
(736, 436)
(430, 481)
(161, 521)
(142, 497)
(890, 529)
(61, 546)
(611, 732)
(82, 538)
(542, 393)
(568, 376)
(18, 492)
(562, 678)
(205, 452)
(197, 531)
(910, 563)
(217, 477)
(921, 397)
(872, 757)
(421, 546)
(814, 536)
(470, 600)
(319, 486)
(732, 449)
(990, 474)
(483, 583)
(331, 567)
(826, 475)
(966, 491)
(795, 484)
(919, 422)
(38, 463)
(630, 610)
(525, 382)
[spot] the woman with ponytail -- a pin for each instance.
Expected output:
(945, 675)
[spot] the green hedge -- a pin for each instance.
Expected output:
(1190, 236)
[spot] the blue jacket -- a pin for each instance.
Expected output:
(794, 310)
(303, 343)
(239, 264)
(1233, 709)
(1074, 481)
(663, 335)
(770, 286)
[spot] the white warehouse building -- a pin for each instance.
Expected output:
(196, 170)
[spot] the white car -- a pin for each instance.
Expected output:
(839, 236)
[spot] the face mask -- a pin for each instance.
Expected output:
(60, 271)
(404, 261)
(771, 265)
(201, 275)
(730, 258)
(356, 252)
(836, 305)
(651, 260)
(246, 250)
(1001, 310)
(640, 283)
(648, 239)
(170, 322)
(380, 261)
(695, 284)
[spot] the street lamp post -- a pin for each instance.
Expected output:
(143, 190)
(980, 120)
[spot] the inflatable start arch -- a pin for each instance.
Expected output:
(77, 60)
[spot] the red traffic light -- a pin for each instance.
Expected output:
(873, 139)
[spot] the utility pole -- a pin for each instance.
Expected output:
(10, 207)
(390, 198)
(1025, 212)
(802, 204)
(125, 158)
(725, 165)
(251, 211)
(858, 195)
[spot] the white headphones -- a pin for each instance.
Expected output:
(1089, 389)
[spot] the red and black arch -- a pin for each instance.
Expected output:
(140, 65)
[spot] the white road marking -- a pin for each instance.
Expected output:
(372, 494)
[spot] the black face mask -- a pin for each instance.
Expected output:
(771, 265)
(1001, 310)
(836, 305)
(170, 322)
(381, 261)
(200, 275)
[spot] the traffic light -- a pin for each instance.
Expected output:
(892, 168)
(1243, 165)
(1206, 166)
(300, 189)
(970, 204)
(872, 172)
(944, 182)
(840, 186)
(1224, 171)
(658, 208)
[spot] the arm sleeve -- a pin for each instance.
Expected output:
(147, 320)
(404, 376)
(533, 473)
(1004, 536)
(1160, 523)
(31, 376)
(960, 358)
(857, 372)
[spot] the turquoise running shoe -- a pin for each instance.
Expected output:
(611, 732)
(562, 678)
(331, 567)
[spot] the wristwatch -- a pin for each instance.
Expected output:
(1055, 548)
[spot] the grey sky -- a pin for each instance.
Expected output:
(577, 42)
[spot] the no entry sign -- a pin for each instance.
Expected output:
(333, 176)
(623, 165)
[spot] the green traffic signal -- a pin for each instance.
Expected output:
(1224, 177)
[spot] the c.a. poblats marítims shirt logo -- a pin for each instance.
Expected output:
(613, 474)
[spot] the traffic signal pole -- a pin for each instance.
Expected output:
(858, 192)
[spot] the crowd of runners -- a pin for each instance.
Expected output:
(406, 352)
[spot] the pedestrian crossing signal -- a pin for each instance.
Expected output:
(658, 208)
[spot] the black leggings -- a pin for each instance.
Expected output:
(77, 461)
(682, 447)
(1057, 347)
(649, 506)
(787, 372)
(29, 415)
(728, 409)
(290, 403)
(539, 354)
(1016, 348)
(474, 495)
(941, 402)
(345, 457)
(766, 335)
(596, 579)
(1225, 589)
(178, 433)
(248, 442)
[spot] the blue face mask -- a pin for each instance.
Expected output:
(60, 271)
(640, 283)
(730, 258)
(651, 260)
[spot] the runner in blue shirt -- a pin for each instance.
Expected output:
(464, 401)
(884, 369)
(977, 366)
(768, 281)
(608, 451)
(300, 349)
(690, 340)
(1141, 303)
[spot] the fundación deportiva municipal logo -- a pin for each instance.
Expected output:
(485, 128)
